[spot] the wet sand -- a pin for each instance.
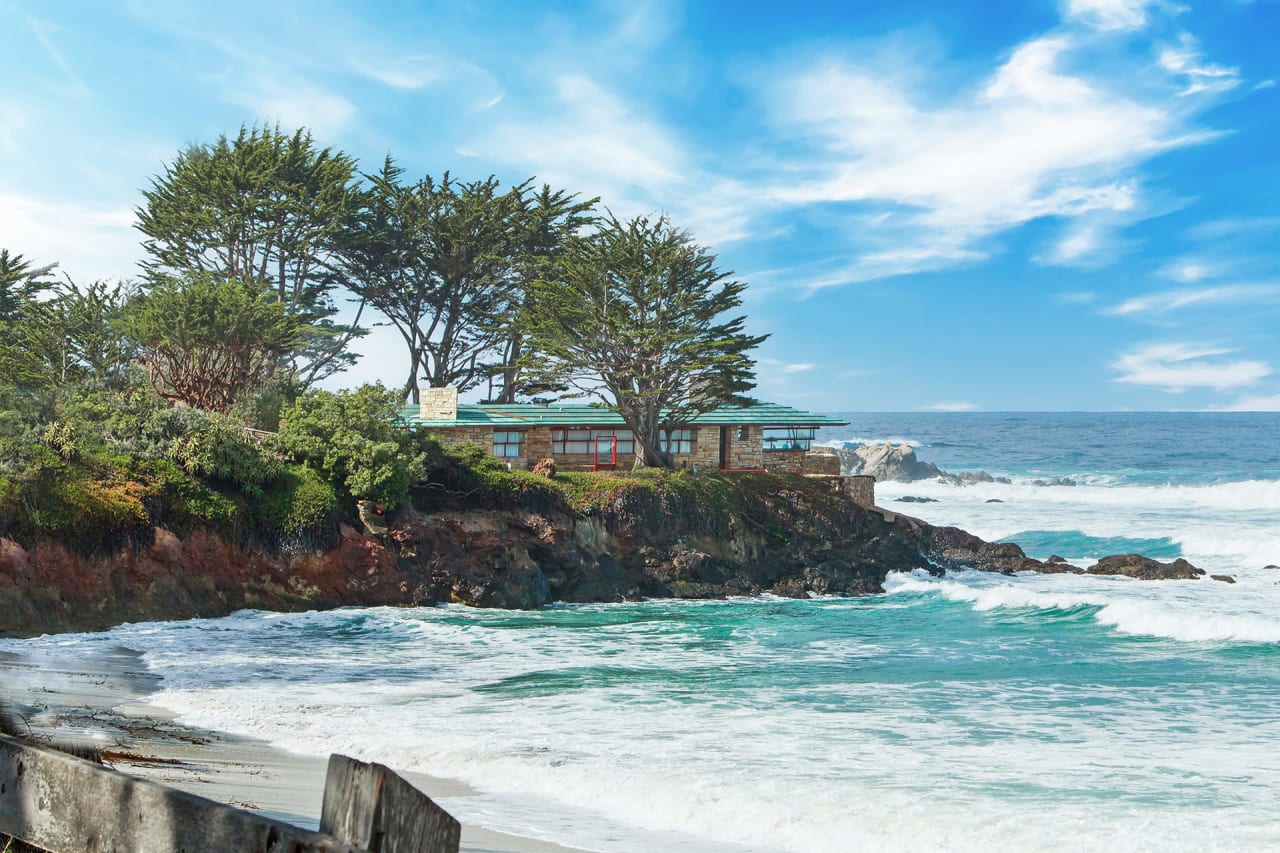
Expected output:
(103, 702)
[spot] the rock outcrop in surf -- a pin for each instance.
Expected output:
(899, 463)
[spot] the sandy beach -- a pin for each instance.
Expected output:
(103, 700)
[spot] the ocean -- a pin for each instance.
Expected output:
(972, 712)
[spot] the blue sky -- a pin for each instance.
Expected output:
(1052, 204)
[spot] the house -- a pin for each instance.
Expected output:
(591, 438)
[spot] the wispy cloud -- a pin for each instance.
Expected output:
(955, 406)
(1039, 137)
(41, 30)
(292, 103)
(1176, 367)
(1108, 14)
(1255, 403)
(1200, 75)
(798, 368)
(1172, 300)
(1076, 297)
(99, 242)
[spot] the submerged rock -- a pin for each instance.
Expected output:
(968, 478)
(1223, 578)
(914, 499)
(1055, 481)
(994, 501)
(1145, 568)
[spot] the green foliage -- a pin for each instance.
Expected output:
(72, 337)
(634, 317)
(20, 284)
(352, 439)
(208, 341)
(446, 261)
(220, 450)
(299, 500)
(264, 206)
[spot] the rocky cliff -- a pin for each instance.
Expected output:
(778, 534)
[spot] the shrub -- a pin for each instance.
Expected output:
(351, 437)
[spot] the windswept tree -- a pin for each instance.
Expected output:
(549, 222)
(268, 207)
(207, 341)
(635, 316)
(436, 258)
(73, 336)
(21, 283)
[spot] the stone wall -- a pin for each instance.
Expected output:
(861, 489)
(822, 460)
(784, 461)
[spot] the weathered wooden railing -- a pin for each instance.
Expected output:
(60, 803)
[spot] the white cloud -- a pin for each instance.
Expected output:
(1200, 76)
(1256, 403)
(86, 242)
(1038, 138)
(1190, 270)
(410, 72)
(1176, 367)
(292, 103)
(1172, 300)
(798, 368)
(590, 140)
(1109, 14)
(957, 406)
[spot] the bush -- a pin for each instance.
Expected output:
(217, 449)
(352, 439)
(298, 501)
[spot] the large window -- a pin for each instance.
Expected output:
(507, 444)
(574, 441)
(788, 438)
(677, 441)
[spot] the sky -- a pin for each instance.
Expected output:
(936, 204)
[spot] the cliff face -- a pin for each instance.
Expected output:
(792, 543)
(785, 536)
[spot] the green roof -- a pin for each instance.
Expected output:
(577, 414)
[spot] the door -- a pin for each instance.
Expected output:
(725, 435)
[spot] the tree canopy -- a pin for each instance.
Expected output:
(206, 340)
(266, 207)
(20, 284)
(635, 316)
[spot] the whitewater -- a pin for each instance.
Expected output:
(971, 712)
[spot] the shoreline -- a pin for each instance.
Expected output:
(105, 702)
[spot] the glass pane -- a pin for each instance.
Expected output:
(576, 447)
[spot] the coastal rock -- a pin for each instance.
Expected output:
(1223, 578)
(994, 501)
(887, 462)
(1271, 566)
(1055, 481)
(968, 478)
(1145, 568)
(913, 499)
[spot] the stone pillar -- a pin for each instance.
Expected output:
(439, 404)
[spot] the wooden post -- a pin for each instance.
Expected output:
(61, 803)
(369, 806)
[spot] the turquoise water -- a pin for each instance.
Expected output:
(973, 712)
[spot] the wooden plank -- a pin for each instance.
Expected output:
(62, 803)
(370, 806)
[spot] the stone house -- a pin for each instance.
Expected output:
(591, 438)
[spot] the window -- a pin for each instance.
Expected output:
(788, 438)
(677, 441)
(507, 444)
(571, 441)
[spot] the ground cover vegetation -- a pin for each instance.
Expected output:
(188, 395)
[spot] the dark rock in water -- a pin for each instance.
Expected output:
(913, 499)
(1054, 558)
(968, 478)
(995, 501)
(887, 462)
(1224, 578)
(1060, 568)
(1055, 481)
(1271, 566)
(1145, 568)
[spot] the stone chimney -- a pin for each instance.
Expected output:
(439, 404)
